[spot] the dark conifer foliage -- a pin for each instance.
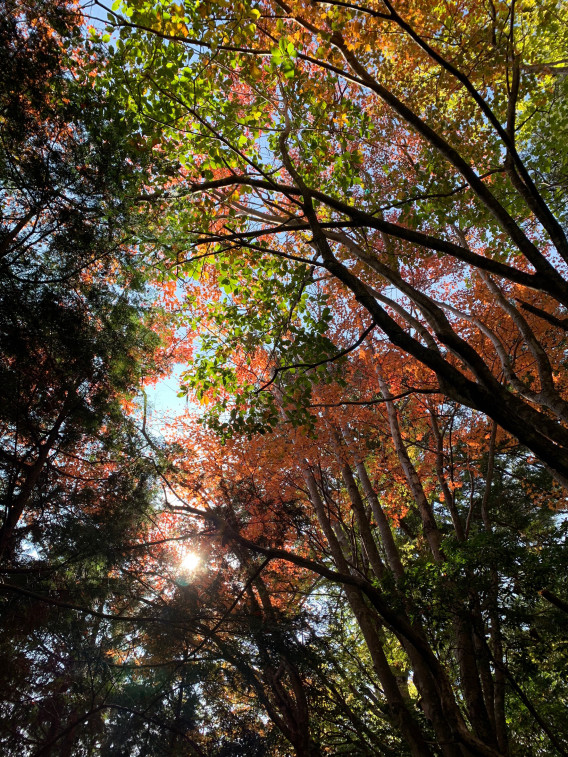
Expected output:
(75, 340)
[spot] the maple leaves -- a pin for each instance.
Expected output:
(324, 142)
(378, 265)
(355, 238)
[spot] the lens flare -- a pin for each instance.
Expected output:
(189, 562)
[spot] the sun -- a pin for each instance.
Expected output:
(189, 562)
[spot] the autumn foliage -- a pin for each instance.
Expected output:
(344, 225)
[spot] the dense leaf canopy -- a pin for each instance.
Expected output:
(344, 226)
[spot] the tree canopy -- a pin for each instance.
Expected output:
(344, 225)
